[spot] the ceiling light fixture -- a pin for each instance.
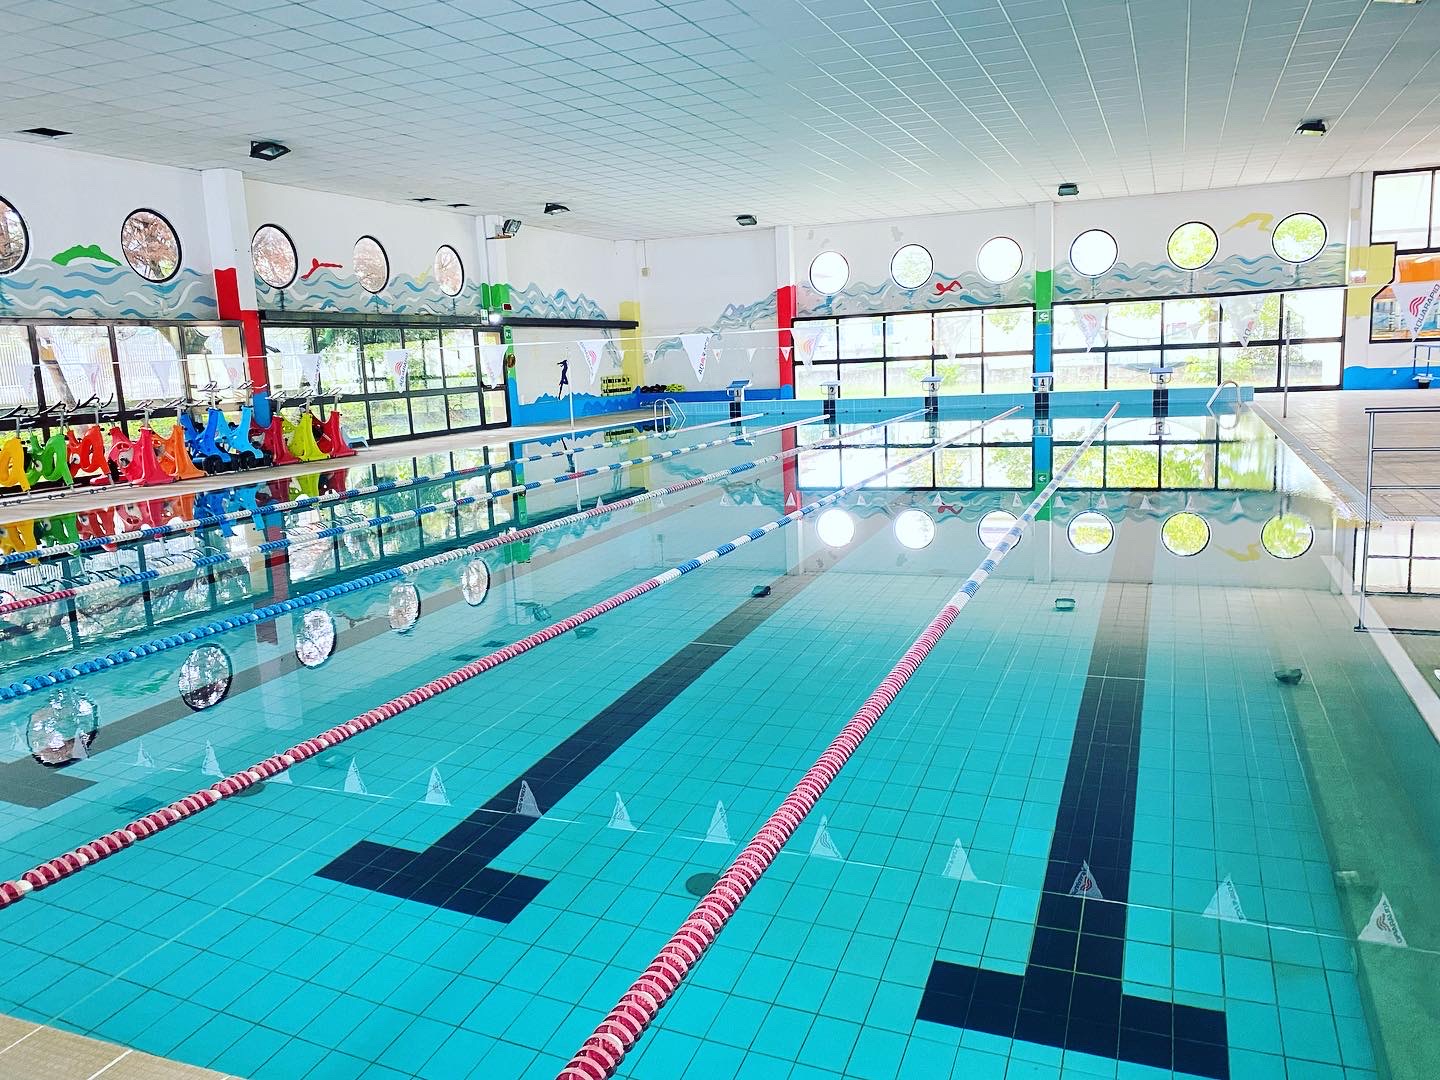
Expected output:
(49, 133)
(553, 208)
(424, 198)
(508, 228)
(1411, 2)
(459, 206)
(267, 149)
(1067, 188)
(746, 219)
(1311, 127)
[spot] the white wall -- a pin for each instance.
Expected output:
(559, 275)
(68, 199)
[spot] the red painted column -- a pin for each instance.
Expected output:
(785, 319)
(227, 297)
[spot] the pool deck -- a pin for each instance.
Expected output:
(94, 498)
(1329, 430)
(37, 1052)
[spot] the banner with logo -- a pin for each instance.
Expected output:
(492, 364)
(807, 342)
(397, 366)
(1415, 303)
(1092, 327)
(310, 369)
(1243, 314)
(234, 368)
(750, 355)
(593, 350)
(695, 349)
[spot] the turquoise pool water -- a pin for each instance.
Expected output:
(399, 910)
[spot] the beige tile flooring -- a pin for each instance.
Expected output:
(35, 1052)
(1332, 426)
(94, 498)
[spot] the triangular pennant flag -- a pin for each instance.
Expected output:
(397, 366)
(1102, 504)
(1085, 884)
(807, 342)
(1225, 904)
(525, 805)
(492, 363)
(1015, 500)
(791, 502)
(750, 355)
(17, 740)
(824, 845)
(143, 760)
(1415, 303)
(282, 777)
(599, 503)
(79, 751)
(620, 817)
(1058, 503)
(785, 352)
(1237, 508)
(1383, 928)
(725, 499)
(957, 866)
(1190, 502)
(435, 793)
(860, 500)
(719, 830)
(695, 349)
(935, 500)
(715, 352)
(1092, 326)
(593, 350)
(1242, 312)
(210, 766)
(1145, 503)
(660, 501)
(353, 784)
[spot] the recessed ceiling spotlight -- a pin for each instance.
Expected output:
(1067, 188)
(553, 208)
(267, 149)
(49, 133)
(1311, 127)
(746, 219)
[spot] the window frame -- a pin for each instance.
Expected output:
(383, 254)
(25, 241)
(1432, 250)
(294, 251)
(179, 246)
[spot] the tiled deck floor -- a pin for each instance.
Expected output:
(36, 1052)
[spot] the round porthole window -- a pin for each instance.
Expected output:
(1192, 245)
(1287, 536)
(829, 272)
(915, 529)
(404, 610)
(994, 525)
(1299, 238)
(1090, 532)
(911, 266)
(14, 238)
(999, 259)
(315, 637)
(150, 245)
(835, 527)
(204, 678)
(372, 265)
(273, 253)
(1093, 252)
(1185, 534)
(449, 271)
(475, 583)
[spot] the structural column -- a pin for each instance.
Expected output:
(785, 306)
(227, 225)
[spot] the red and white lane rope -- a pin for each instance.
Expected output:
(600, 1055)
(309, 502)
(62, 866)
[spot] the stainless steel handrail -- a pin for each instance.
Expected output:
(1228, 382)
(1363, 546)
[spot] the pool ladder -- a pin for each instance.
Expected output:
(1219, 390)
(668, 411)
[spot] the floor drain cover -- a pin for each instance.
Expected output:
(700, 884)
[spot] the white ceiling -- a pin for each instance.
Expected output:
(654, 118)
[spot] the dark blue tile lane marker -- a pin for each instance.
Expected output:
(455, 872)
(1071, 995)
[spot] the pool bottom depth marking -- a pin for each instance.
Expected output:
(1071, 995)
(455, 872)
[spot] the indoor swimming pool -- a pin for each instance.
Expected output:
(1149, 808)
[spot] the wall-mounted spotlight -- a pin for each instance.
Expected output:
(746, 219)
(1067, 188)
(1311, 127)
(553, 208)
(267, 149)
(508, 228)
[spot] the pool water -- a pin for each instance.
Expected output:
(467, 888)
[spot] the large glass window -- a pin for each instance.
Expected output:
(1202, 340)
(1405, 211)
(975, 350)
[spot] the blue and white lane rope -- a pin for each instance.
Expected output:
(309, 502)
(34, 683)
(600, 1055)
(236, 554)
(71, 862)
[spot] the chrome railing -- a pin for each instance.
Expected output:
(668, 415)
(1370, 514)
(1210, 401)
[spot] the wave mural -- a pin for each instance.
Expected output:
(940, 293)
(1236, 273)
(533, 302)
(85, 287)
(756, 315)
(335, 289)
